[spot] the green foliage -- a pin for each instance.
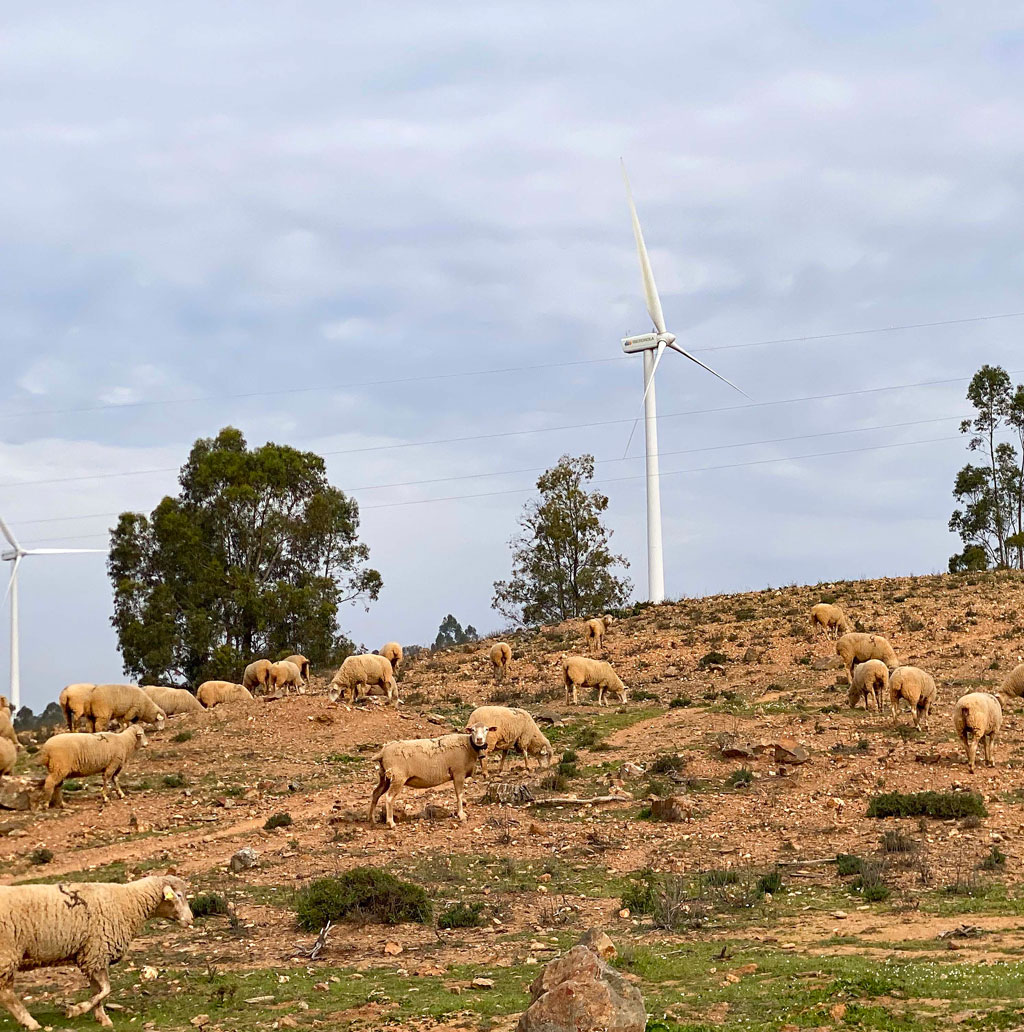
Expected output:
(848, 863)
(26, 720)
(562, 567)
(277, 820)
(995, 861)
(253, 556)
(39, 856)
(940, 805)
(740, 778)
(182, 736)
(462, 915)
(895, 841)
(208, 904)
(718, 877)
(451, 633)
(680, 702)
(709, 658)
(175, 781)
(770, 883)
(364, 893)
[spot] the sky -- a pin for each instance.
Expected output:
(362, 228)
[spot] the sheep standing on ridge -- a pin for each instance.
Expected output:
(8, 756)
(88, 925)
(917, 687)
(213, 693)
(366, 671)
(596, 630)
(857, 648)
(501, 659)
(173, 700)
(73, 701)
(515, 729)
(978, 716)
(77, 755)
(256, 674)
(831, 619)
(125, 703)
(284, 675)
(870, 681)
(302, 663)
(580, 672)
(427, 763)
(392, 652)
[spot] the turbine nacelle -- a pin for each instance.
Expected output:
(647, 342)
(10, 555)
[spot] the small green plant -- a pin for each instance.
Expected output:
(587, 737)
(712, 659)
(995, 861)
(770, 883)
(897, 842)
(175, 781)
(869, 883)
(277, 820)
(39, 856)
(462, 915)
(183, 736)
(209, 904)
(680, 702)
(740, 778)
(939, 805)
(364, 893)
(717, 877)
(668, 763)
(848, 863)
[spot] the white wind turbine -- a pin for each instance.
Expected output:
(653, 346)
(14, 555)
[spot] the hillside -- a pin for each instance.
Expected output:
(745, 666)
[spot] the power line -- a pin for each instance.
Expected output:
(390, 381)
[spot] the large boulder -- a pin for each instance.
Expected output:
(579, 992)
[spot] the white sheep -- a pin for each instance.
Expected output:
(596, 629)
(73, 700)
(870, 680)
(213, 693)
(427, 763)
(8, 756)
(392, 652)
(257, 674)
(915, 685)
(366, 671)
(978, 716)
(1013, 686)
(857, 647)
(88, 925)
(77, 755)
(516, 729)
(284, 675)
(301, 662)
(580, 672)
(173, 701)
(126, 703)
(831, 619)
(7, 727)
(501, 659)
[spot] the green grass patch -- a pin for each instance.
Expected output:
(461, 915)
(939, 805)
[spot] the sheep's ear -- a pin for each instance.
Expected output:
(492, 729)
(168, 893)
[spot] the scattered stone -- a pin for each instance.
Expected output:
(508, 793)
(483, 983)
(733, 749)
(753, 655)
(595, 939)
(15, 795)
(392, 949)
(199, 1020)
(789, 750)
(632, 770)
(671, 808)
(245, 858)
(436, 718)
(672, 671)
(826, 663)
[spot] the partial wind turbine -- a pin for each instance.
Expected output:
(653, 346)
(14, 555)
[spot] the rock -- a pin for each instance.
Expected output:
(595, 939)
(548, 716)
(632, 770)
(753, 655)
(672, 671)
(733, 749)
(578, 992)
(243, 860)
(436, 718)
(483, 983)
(671, 808)
(15, 796)
(789, 750)
(826, 663)
(392, 949)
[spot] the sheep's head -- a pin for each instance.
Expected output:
(478, 735)
(140, 735)
(173, 904)
(161, 719)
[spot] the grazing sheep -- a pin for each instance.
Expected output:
(501, 659)
(870, 680)
(76, 755)
(515, 730)
(831, 619)
(857, 648)
(73, 701)
(978, 716)
(213, 693)
(596, 630)
(579, 672)
(7, 731)
(284, 675)
(88, 925)
(917, 687)
(257, 674)
(1013, 686)
(392, 652)
(366, 671)
(125, 703)
(173, 700)
(427, 763)
(302, 663)
(8, 756)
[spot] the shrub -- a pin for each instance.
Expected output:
(175, 781)
(587, 737)
(740, 778)
(719, 878)
(277, 820)
(940, 805)
(897, 842)
(183, 736)
(869, 882)
(995, 861)
(462, 915)
(209, 904)
(680, 701)
(712, 657)
(39, 856)
(770, 883)
(364, 893)
(668, 763)
(848, 863)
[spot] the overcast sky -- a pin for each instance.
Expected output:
(357, 226)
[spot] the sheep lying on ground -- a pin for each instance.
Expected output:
(302, 663)
(978, 716)
(857, 648)
(515, 730)
(427, 763)
(596, 630)
(366, 671)
(1013, 686)
(73, 701)
(284, 675)
(8, 756)
(917, 687)
(257, 674)
(870, 680)
(125, 703)
(501, 659)
(831, 619)
(173, 700)
(213, 693)
(76, 755)
(88, 925)
(392, 652)
(579, 672)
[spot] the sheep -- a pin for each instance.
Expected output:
(427, 763)
(978, 715)
(126, 703)
(257, 674)
(917, 687)
(284, 675)
(516, 730)
(78, 755)
(89, 925)
(1013, 686)
(831, 619)
(7, 731)
(579, 672)
(173, 700)
(870, 680)
(857, 648)
(213, 693)
(501, 659)
(392, 652)
(73, 701)
(8, 756)
(596, 629)
(302, 663)
(363, 671)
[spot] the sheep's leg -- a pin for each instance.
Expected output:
(971, 745)
(52, 795)
(389, 799)
(111, 772)
(381, 788)
(989, 741)
(459, 781)
(17, 1008)
(483, 765)
(100, 983)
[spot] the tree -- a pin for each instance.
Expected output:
(451, 633)
(562, 566)
(990, 521)
(254, 556)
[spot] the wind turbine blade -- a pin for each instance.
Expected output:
(686, 354)
(650, 290)
(14, 574)
(62, 551)
(7, 534)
